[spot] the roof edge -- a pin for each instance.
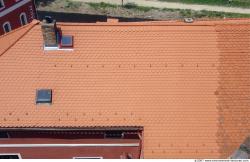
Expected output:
(71, 128)
(28, 26)
(34, 22)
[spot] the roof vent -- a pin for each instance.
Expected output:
(49, 31)
(188, 20)
(44, 96)
(112, 20)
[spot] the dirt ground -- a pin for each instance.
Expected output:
(79, 11)
(173, 5)
(60, 6)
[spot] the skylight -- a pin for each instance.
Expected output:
(44, 96)
(66, 41)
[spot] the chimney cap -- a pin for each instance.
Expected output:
(48, 19)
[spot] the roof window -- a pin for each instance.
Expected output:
(44, 96)
(66, 41)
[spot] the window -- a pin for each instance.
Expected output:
(4, 135)
(6, 27)
(23, 19)
(10, 156)
(66, 41)
(1, 4)
(44, 96)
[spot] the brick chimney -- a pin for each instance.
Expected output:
(49, 31)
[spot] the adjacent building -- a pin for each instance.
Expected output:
(162, 89)
(15, 13)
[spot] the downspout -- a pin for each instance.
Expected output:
(141, 135)
(34, 6)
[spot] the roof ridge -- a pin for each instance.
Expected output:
(28, 26)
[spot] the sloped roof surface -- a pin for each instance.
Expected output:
(188, 85)
(9, 40)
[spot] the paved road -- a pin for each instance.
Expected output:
(160, 4)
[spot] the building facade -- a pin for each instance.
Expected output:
(15, 13)
(68, 143)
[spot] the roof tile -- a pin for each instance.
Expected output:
(186, 84)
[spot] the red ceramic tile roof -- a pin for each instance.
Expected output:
(188, 85)
(8, 40)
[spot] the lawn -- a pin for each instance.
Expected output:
(228, 3)
(131, 6)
